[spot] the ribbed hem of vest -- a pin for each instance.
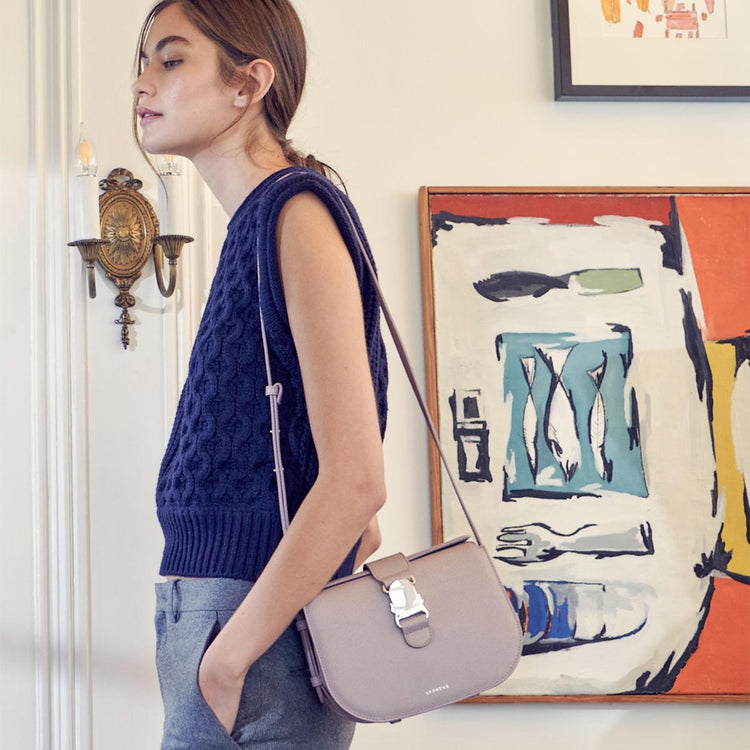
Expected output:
(217, 543)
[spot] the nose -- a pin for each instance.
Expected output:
(142, 84)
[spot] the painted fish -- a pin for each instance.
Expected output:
(530, 421)
(500, 287)
(560, 419)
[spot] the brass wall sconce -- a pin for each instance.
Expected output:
(119, 228)
(129, 234)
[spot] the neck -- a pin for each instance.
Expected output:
(231, 173)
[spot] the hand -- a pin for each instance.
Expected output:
(221, 687)
(535, 542)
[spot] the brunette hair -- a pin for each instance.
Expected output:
(247, 30)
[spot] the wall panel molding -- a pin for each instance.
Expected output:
(59, 408)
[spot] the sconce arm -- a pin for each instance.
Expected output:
(171, 246)
(90, 250)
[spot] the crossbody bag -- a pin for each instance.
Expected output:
(408, 634)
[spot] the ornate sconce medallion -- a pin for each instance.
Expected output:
(129, 226)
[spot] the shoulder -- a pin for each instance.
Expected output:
(301, 204)
(305, 223)
(299, 194)
(305, 216)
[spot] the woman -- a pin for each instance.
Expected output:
(218, 83)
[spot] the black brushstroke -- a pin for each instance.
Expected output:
(444, 220)
(547, 494)
(715, 496)
(505, 497)
(671, 249)
(697, 353)
(481, 472)
(746, 506)
(704, 382)
(716, 561)
(627, 357)
(498, 347)
(738, 577)
(663, 681)
(545, 647)
(741, 346)
(634, 431)
(741, 350)
(475, 428)
(500, 287)
(471, 407)
(648, 538)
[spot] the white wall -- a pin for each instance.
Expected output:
(16, 595)
(400, 94)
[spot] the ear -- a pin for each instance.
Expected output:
(259, 76)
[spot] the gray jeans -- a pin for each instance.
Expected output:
(278, 710)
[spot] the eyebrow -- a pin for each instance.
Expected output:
(162, 43)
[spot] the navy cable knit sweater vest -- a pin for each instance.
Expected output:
(216, 494)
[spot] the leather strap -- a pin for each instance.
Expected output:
(389, 569)
(416, 630)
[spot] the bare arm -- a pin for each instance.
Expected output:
(325, 315)
(371, 540)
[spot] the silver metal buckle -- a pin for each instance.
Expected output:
(405, 599)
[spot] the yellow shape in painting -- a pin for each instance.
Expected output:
(731, 483)
(611, 10)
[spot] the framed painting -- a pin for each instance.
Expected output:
(588, 367)
(651, 49)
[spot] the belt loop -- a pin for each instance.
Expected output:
(176, 601)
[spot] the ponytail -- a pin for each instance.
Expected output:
(298, 159)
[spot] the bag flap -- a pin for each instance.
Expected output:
(415, 556)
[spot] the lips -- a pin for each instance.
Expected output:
(146, 115)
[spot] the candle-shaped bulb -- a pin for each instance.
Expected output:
(87, 164)
(85, 197)
(169, 164)
(171, 194)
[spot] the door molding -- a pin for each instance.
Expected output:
(60, 499)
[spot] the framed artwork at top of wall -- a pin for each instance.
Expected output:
(588, 368)
(642, 50)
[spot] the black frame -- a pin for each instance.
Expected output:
(566, 90)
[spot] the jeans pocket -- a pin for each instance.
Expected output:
(189, 722)
(250, 704)
(160, 626)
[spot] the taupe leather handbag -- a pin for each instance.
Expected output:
(408, 634)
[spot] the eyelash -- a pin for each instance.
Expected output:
(169, 64)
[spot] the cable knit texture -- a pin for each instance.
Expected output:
(216, 494)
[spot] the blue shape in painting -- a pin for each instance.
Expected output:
(564, 384)
(558, 615)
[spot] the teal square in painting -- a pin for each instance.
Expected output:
(574, 419)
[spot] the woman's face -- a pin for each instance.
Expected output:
(182, 103)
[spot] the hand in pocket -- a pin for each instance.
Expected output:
(220, 686)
